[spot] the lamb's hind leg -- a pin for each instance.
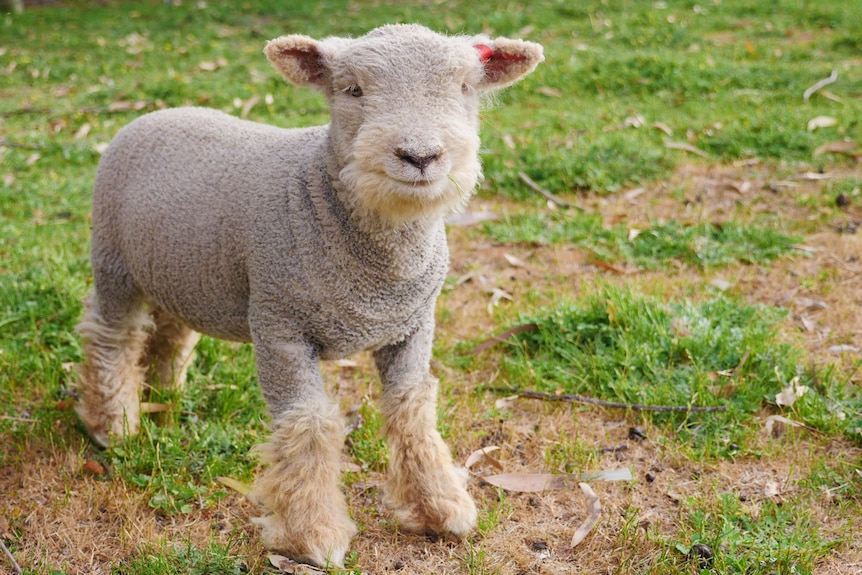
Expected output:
(300, 486)
(111, 374)
(169, 351)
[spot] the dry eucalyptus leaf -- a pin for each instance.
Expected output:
(237, 486)
(497, 295)
(82, 132)
(836, 147)
(514, 261)
(594, 509)
(839, 349)
(470, 218)
(720, 284)
(771, 489)
(151, 407)
(32, 159)
(663, 127)
(4, 528)
(686, 148)
(248, 105)
(285, 565)
(537, 482)
(821, 122)
(505, 403)
(552, 92)
(484, 455)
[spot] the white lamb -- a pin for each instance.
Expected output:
(312, 244)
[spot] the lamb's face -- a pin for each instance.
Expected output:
(405, 105)
(405, 120)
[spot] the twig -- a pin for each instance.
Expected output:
(10, 144)
(502, 337)
(8, 553)
(584, 399)
(548, 195)
(824, 82)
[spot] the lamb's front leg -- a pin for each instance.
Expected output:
(425, 490)
(301, 483)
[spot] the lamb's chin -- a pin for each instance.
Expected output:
(399, 202)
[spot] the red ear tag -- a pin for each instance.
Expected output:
(485, 52)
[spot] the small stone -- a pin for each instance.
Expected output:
(93, 467)
(637, 434)
(650, 477)
(702, 553)
(843, 200)
(539, 545)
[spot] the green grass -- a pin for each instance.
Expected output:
(618, 346)
(702, 245)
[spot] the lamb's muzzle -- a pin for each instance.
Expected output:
(311, 243)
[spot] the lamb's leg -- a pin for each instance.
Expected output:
(425, 490)
(169, 350)
(301, 483)
(111, 374)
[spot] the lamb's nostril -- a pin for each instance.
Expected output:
(420, 162)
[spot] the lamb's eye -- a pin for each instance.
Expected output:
(354, 91)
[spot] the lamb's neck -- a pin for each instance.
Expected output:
(402, 249)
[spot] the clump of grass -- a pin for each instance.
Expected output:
(618, 346)
(703, 245)
(746, 540)
(186, 559)
(365, 442)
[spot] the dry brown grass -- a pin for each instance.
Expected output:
(81, 523)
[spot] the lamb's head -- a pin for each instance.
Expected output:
(404, 104)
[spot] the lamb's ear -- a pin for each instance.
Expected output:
(300, 59)
(507, 61)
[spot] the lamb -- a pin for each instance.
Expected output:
(311, 243)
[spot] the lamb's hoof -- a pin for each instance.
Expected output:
(322, 544)
(449, 510)
(104, 430)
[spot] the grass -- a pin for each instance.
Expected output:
(622, 80)
(705, 245)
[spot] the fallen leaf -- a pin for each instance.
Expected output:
(505, 403)
(821, 122)
(351, 467)
(814, 176)
(788, 396)
(484, 455)
(4, 528)
(594, 509)
(631, 195)
(497, 295)
(248, 105)
(553, 92)
(93, 467)
(285, 565)
(151, 407)
(8, 180)
(537, 482)
(839, 349)
(68, 366)
(82, 132)
(771, 489)
(836, 147)
(470, 218)
(32, 159)
(126, 106)
(774, 425)
(720, 284)
(502, 337)
(213, 65)
(686, 148)
(833, 77)
(346, 363)
(663, 127)
(237, 486)
(514, 261)
(807, 324)
(633, 233)
(100, 148)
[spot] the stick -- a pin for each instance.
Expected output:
(548, 195)
(529, 394)
(8, 553)
(824, 82)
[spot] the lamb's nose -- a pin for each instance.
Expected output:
(419, 161)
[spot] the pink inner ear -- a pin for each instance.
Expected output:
(485, 52)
